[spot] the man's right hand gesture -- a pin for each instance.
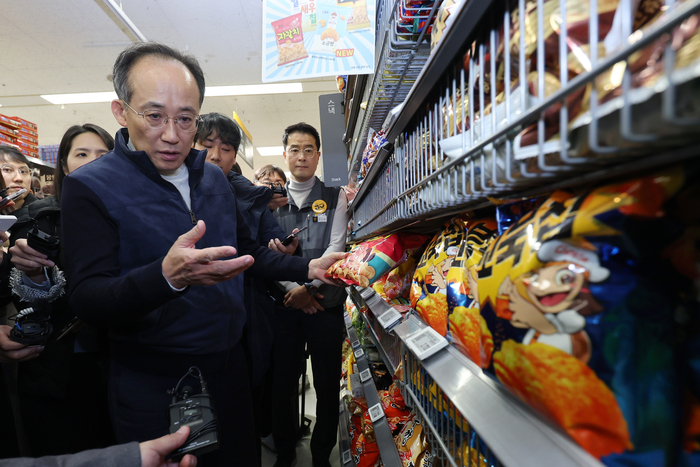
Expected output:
(186, 265)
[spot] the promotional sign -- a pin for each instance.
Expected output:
(334, 150)
(312, 38)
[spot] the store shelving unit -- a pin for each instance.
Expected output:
(382, 432)
(344, 436)
(453, 151)
(446, 388)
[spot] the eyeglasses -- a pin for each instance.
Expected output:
(10, 171)
(295, 152)
(270, 184)
(157, 119)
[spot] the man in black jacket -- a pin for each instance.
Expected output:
(152, 241)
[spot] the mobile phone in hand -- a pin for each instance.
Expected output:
(6, 200)
(291, 237)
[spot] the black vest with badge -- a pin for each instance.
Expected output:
(317, 213)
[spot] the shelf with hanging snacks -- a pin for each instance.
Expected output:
(459, 403)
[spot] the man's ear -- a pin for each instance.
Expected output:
(119, 112)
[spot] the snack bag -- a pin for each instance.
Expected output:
(413, 445)
(331, 28)
(433, 284)
(365, 452)
(359, 18)
(581, 299)
(467, 330)
(290, 39)
(370, 260)
(397, 282)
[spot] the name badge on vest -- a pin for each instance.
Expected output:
(319, 208)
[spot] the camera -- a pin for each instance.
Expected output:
(32, 324)
(197, 412)
(42, 242)
(279, 189)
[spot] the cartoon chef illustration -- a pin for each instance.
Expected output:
(553, 301)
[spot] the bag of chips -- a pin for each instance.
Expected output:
(466, 328)
(290, 39)
(413, 445)
(580, 299)
(330, 30)
(370, 260)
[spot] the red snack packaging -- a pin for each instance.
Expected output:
(290, 39)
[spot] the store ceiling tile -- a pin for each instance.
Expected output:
(49, 47)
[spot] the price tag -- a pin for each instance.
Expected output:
(389, 318)
(365, 375)
(376, 412)
(345, 393)
(367, 292)
(425, 343)
(347, 456)
(355, 344)
(348, 321)
(359, 353)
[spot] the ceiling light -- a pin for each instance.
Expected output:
(271, 151)
(250, 89)
(125, 19)
(80, 98)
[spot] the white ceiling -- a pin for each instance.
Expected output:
(69, 46)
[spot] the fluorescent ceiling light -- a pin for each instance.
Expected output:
(125, 19)
(80, 98)
(251, 89)
(271, 151)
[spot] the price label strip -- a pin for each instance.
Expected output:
(347, 456)
(365, 375)
(425, 343)
(355, 344)
(389, 318)
(376, 412)
(359, 353)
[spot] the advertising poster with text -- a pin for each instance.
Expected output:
(313, 38)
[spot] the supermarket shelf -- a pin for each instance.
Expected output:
(385, 441)
(344, 440)
(467, 17)
(383, 154)
(493, 412)
(39, 163)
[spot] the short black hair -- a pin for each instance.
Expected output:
(267, 170)
(303, 128)
(226, 129)
(10, 154)
(65, 147)
(237, 168)
(129, 56)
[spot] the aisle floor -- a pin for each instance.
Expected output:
(303, 451)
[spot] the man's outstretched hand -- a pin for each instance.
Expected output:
(154, 452)
(319, 266)
(186, 265)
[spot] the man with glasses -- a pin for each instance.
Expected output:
(154, 248)
(272, 176)
(17, 175)
(313, 316)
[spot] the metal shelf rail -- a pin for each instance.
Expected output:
(457, 149)
(344, 440)
(470, 414)
(398, 62)
(385, 440)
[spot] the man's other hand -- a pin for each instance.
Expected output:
(277, 201)
(154, 452)
(300, 298)
(276, 245)
(319, 266)
(11, 351)
(185, 265)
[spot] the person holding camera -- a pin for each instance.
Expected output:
(62, 393)
(155, 247)
(274, 178)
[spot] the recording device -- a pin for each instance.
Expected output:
(6, 199)
(32, 326)
(279, 189)
(50, 245)
(291, 237)
(197, 412)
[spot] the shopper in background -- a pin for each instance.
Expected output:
(221, 137)
(17, 175)
(314, 311)
(147, 454)
(152, 239)
(272, 176)
(63, 393)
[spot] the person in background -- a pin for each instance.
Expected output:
(220, 136)
(152, 453)
(272, 176)
(313, 313)
(154, 247)
(62, 393)
(17, 175)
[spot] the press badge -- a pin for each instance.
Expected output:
(322, 217)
